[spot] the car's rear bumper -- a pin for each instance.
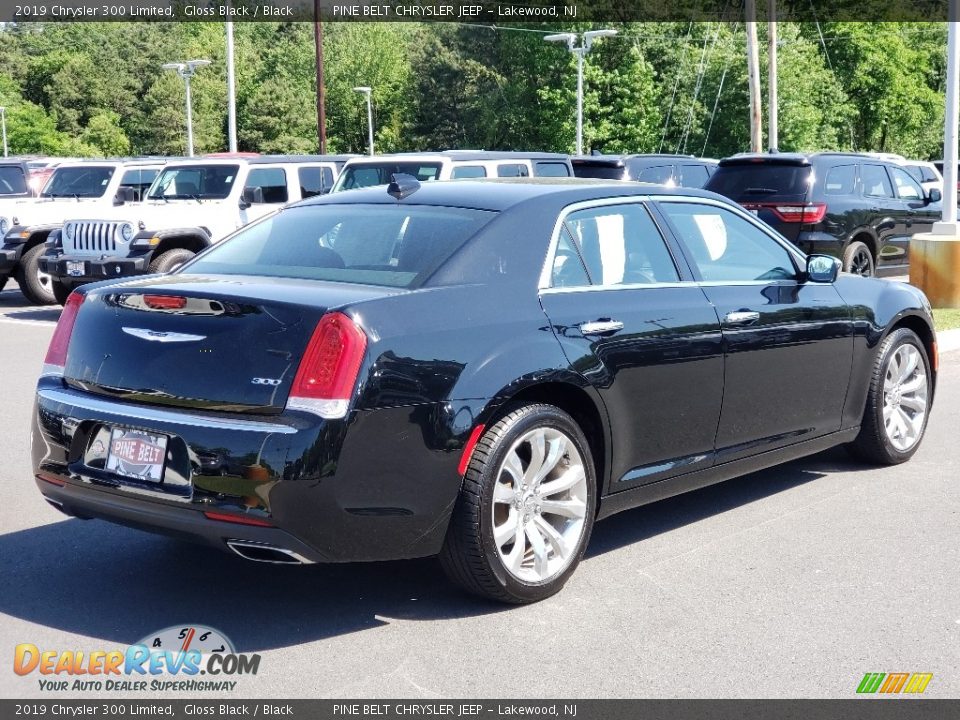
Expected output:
(377, 492)
(80, 269)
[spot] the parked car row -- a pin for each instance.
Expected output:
(103, 219)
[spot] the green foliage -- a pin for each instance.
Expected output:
(97, 88)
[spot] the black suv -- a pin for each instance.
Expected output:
(858, 208)
(670, 170)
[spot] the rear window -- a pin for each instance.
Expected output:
(388, 245)
(12, 180)
(757, 181)
(694, 176)
(367, 175)
(598, 171)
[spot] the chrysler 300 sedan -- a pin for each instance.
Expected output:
(475, 370)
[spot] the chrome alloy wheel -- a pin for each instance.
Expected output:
(904, 397)
(539, 505)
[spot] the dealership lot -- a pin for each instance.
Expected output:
(792, 582)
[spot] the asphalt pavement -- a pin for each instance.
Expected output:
(791, 582)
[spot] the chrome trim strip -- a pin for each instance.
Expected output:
(149, 414)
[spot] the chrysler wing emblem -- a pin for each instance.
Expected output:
(159, 336)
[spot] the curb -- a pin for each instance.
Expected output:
(948, 340)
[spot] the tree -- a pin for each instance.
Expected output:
(104, 133)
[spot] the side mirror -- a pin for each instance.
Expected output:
(822, 268)
(124, 195)
(251, 196)
(934, 195)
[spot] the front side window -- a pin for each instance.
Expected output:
(194, 182)
(620, 245)
(272, 181)
(726, 247)
(389, 245)
(140, 179)
(875, 181)
(907, 187)
(78, 182)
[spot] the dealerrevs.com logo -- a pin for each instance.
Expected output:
(181, 658)
(894, 683)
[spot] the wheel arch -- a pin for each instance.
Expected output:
(868, 237)
(924, 331)
(194, 242)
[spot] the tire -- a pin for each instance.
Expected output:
(859, 260)
(3, 281)
(60, 291)
(903, 397)
(36, 286)
(170, 260)
(473, 558)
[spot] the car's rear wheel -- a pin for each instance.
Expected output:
(34, 284)
(170, 260)
(526, 509)
(858, 259)
(895, 418)
(60, 291)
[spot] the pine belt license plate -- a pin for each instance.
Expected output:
(137, 454)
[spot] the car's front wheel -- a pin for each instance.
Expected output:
(898, 401)
(526, 509)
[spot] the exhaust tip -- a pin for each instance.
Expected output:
(262, 552)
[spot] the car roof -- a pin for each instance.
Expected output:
(503, 193)
(796, 158)
(260, 160)
(465, 155)
(123, 162)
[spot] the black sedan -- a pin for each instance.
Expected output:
(478, 370)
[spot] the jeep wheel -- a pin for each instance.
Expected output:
(35, 285)
(170, 260)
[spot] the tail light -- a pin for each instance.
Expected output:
(56, 359)
(165, 302)
(328, 371)
(800, 213)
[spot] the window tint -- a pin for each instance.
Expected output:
(568, 270)
(314, 180)
(513, 170)
(726, 247)
(620, 244)
(468, 171)
(907, 187)
(875, 181)
(840, 180)
(551, 169)
(762, 181)
(391, 245)
(273, 182)
(694, 176)
(660, 174)
(139, 179)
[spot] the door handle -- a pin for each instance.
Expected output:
(601, 327)
(741, 317)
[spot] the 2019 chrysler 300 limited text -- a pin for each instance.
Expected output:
(478, 370)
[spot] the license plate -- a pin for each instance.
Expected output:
(137, 454)
(75, 268)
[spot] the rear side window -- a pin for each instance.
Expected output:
(468, 171)
(659, 174)
(840, 180)
(726, 247)
(12, 180)
(551, 169)
(139, 179)
(756, 182)
(273, 182)
(694, 176)
(314, 180)
(513, 170)
(389, 245)
(621, 245)
(875, 181)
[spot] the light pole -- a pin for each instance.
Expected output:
(231, 94)
(368, 92)
(586, 43)
(187, 70)
(3, 121)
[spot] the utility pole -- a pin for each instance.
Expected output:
(773, 131)
(321, 93)
(231, 94)
(753, 72)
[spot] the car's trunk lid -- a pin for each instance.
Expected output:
(215, 343)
